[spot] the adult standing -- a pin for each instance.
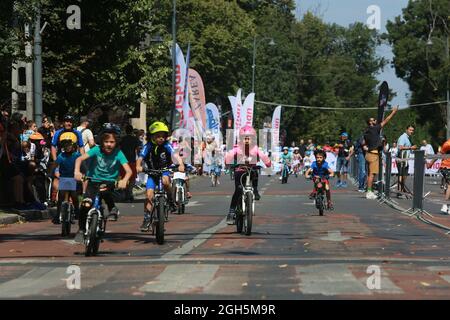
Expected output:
(302, 148)
(131, 147)
(88, 143)
(404, 152)
(372, 145)
(361, 160)
(428, 148)
(345, 151)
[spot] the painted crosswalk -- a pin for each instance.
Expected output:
(317, 281)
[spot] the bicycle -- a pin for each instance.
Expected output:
(320, 196)
(160, 210)
(67, 210)
(96, 219)
(284, 173)
(245, 209)
(179, 187)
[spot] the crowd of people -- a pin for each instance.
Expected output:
(36, 159)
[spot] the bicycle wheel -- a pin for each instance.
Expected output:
(239, 220)
(320, 204)
(180, 200)
(65, 219)
(91, 237)
(159, 228)
(248, 214)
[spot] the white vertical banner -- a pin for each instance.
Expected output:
(213, 120)
(276, 121)
(248, 110)
(180, 85)
(236, 105)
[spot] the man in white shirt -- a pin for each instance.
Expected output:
(428, 148)
(86, 133)
(88, 142)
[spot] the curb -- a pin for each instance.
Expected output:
(9, 218)
(16, 216)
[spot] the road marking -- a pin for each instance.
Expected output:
(194, 243)
(34, 282)
(228, 284)
(335, 236)
(194, 204)
(182, 278)
(71, 242)
(441, 268)
(329, 280)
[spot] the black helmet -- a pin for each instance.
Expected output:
(68, 117)
(111, 128)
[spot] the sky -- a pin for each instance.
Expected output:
(345, 12)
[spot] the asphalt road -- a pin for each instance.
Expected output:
(293, 252)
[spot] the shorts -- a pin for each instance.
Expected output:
(373, 161)
(342, 165)
(151, 181)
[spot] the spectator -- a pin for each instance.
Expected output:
(130, 146)
(372, 145)
(404, 152)
(428, 148)
(88, 142)
(46, 130)
(345, 151)
(302, 148)
(360, 158)
(310, 146)
(393, 150)
(30, 129)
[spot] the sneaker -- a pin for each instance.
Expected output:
(371, 195)
(79, 237)
(338, 184)
(444, 209)
(172, 207)
(362, 191)
(344, 184)
(257, 196)
(113, 214)
(146, 224)
(230, 217)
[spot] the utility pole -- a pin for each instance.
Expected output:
(37, 69)
(174, 63)
(448, 93)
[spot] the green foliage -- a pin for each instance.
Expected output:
(425, 68)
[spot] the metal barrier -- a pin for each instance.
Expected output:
(417, 194)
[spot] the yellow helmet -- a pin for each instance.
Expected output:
(69, 136)
(158, 126)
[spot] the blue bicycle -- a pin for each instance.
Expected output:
(96, 219)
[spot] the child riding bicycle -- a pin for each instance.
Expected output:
(157, 154)
(246, 153)
(107, 160)
(65, 173)
(321, 170)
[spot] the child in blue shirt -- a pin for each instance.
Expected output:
(65, 173)
(321, 170)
